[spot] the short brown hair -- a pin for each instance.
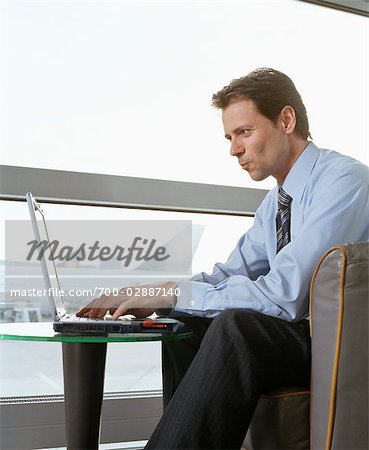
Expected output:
(271, 91)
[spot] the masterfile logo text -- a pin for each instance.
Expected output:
(91, 256)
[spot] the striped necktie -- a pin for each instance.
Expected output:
(283, 219)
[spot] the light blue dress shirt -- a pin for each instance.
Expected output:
(330, 206)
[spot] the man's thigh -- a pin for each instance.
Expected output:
(277, 350)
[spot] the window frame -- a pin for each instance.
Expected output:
(359, 7)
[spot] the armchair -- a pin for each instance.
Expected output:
(334, 414)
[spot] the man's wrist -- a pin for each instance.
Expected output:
(164, 312)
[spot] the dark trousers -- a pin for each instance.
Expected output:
(212, 381)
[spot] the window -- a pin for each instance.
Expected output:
(125, 88)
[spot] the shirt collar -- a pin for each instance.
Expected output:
(297, 178)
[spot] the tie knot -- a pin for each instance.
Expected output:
(284, 200)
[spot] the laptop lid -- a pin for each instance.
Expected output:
(48, 267)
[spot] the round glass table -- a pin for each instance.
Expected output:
(83, 371)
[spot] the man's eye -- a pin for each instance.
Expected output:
(246, 131)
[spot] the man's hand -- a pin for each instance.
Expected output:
(140, 301)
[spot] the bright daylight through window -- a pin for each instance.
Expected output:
(124, 88)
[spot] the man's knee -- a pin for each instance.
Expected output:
(231, 324)
(235, 317)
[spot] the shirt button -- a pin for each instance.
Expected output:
(191, 303)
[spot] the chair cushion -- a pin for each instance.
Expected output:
(281, 421)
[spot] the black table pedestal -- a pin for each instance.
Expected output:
(84, 368)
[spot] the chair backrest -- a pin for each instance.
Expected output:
(339, 327)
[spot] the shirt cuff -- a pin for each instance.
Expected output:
(190, 298)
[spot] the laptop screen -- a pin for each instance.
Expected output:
(49, 270)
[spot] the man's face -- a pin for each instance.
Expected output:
(260, 145)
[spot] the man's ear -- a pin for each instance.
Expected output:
(288, 119)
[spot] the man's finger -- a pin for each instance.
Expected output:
(101, 313)
(83, 312)
(96, 305)
(119, 312)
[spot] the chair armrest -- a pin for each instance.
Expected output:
(339, 328)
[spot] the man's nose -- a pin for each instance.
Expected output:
(236, 148)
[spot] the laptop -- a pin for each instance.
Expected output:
(70, 323)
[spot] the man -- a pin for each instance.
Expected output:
(249, 316)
